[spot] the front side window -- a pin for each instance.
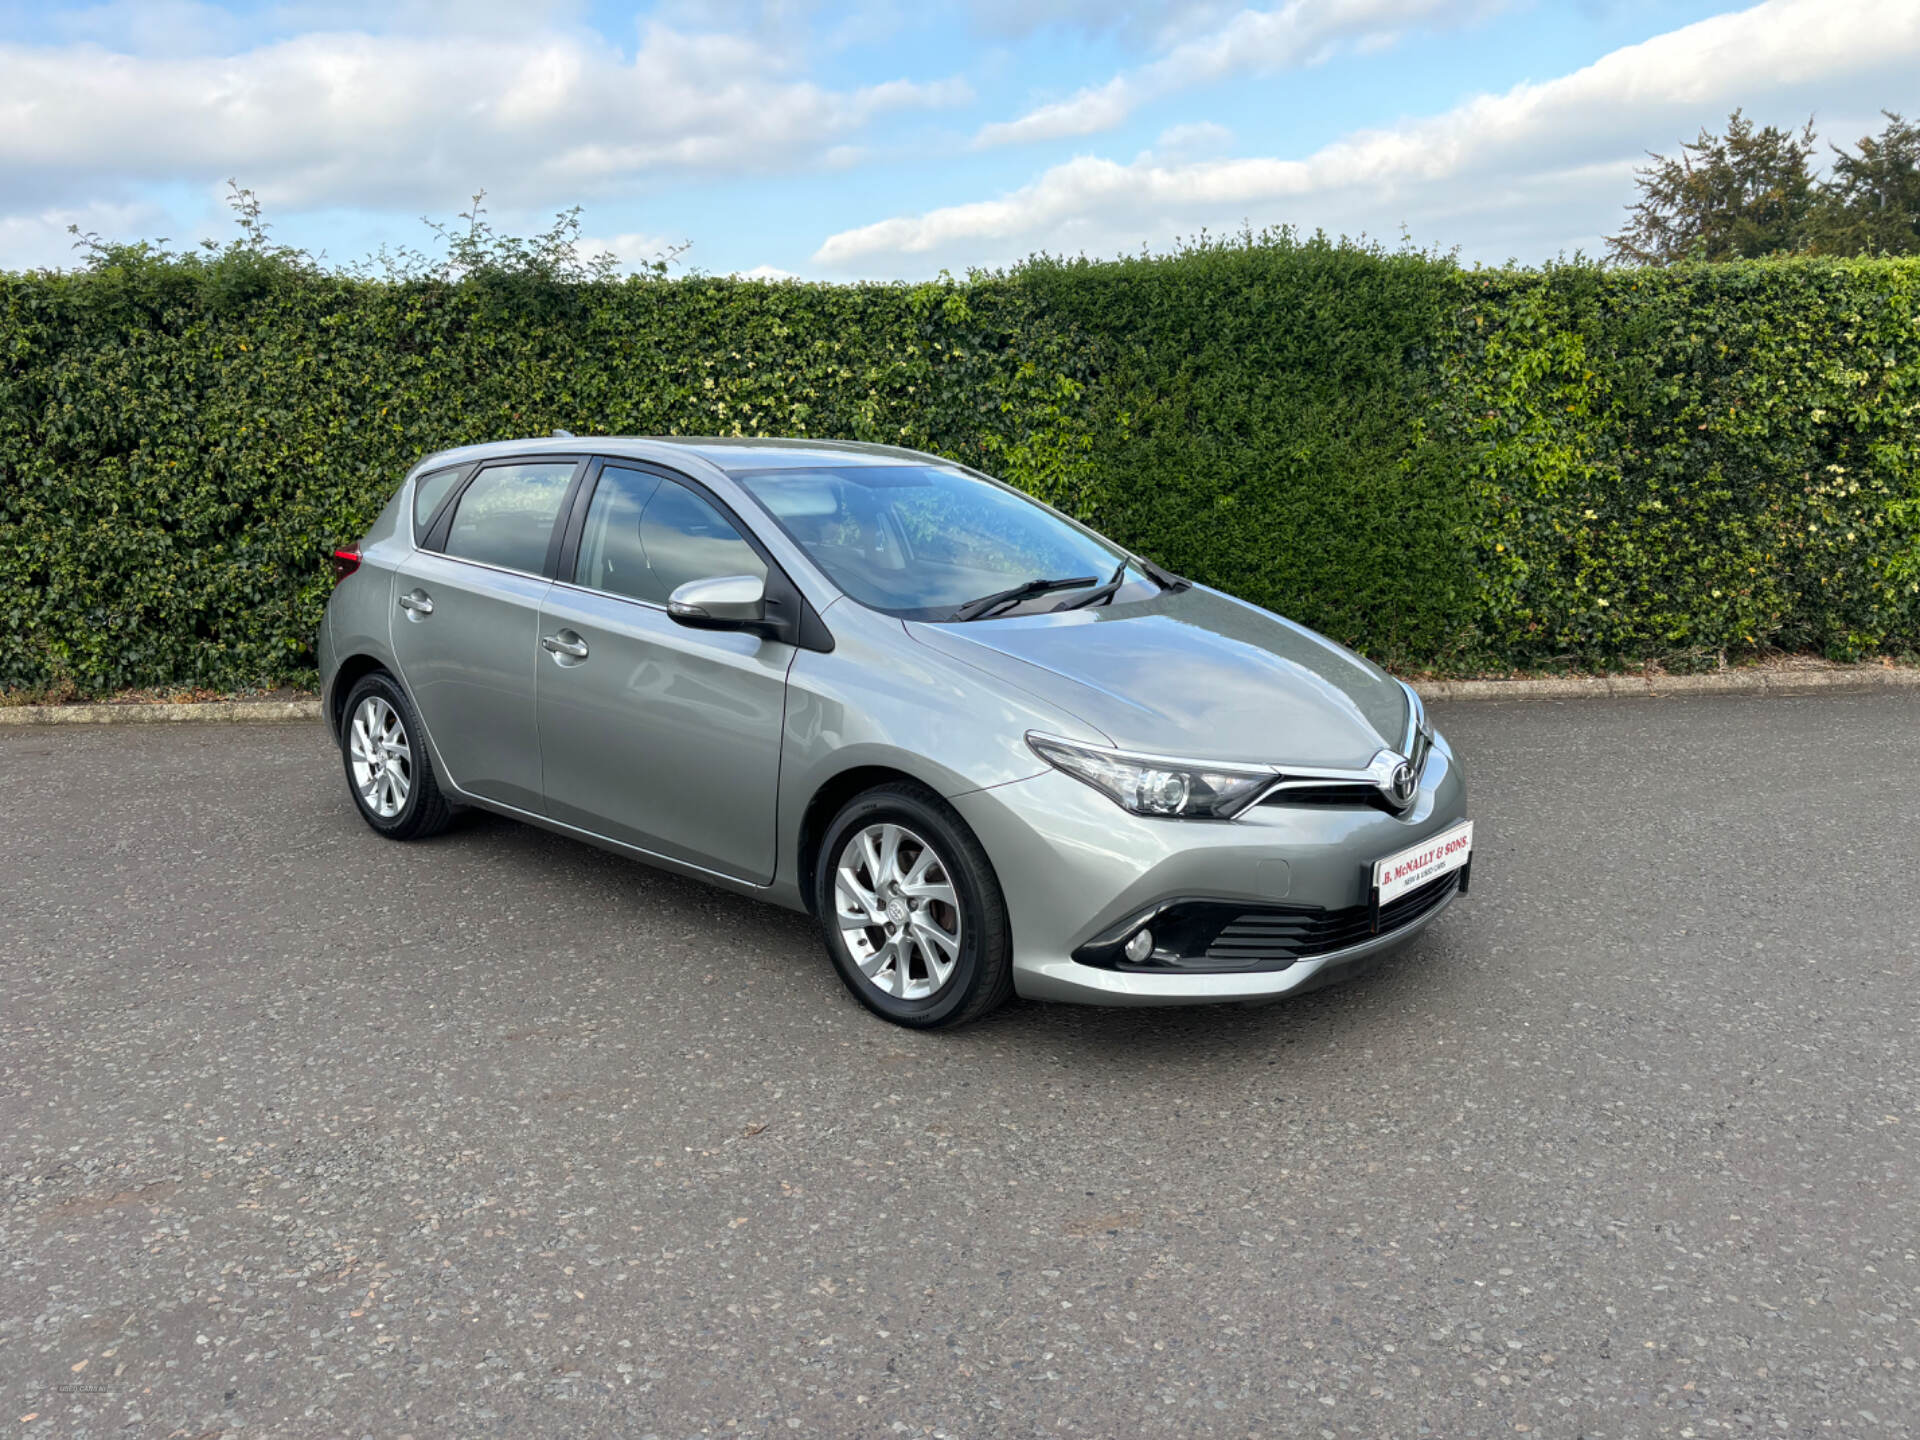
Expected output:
(646, 536)
(919, 541)
(506, 516)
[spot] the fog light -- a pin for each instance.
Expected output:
(1140, 946)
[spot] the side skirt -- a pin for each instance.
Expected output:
(775, 894)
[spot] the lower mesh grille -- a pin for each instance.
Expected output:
(1216, 936)
(1300, 935)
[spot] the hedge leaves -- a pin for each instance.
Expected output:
(1447, 469)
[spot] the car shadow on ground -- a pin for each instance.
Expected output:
(1369, 1006)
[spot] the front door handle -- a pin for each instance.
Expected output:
(560, 645)
(417, 601)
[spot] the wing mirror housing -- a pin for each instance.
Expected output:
(772, 608)
(726, 602)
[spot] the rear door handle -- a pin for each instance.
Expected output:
(418, 601)
(559, 645)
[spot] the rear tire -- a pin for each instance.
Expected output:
(389, 772)
(914, 918)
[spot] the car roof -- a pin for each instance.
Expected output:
(732, 454)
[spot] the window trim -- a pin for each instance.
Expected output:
(576, 523)
(416, 530)
(442, 525)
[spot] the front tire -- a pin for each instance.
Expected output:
(914, 918)
(389, 772)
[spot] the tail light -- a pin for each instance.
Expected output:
(345, 562)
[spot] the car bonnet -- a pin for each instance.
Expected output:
(1195, 674)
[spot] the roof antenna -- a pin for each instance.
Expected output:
(565, 435)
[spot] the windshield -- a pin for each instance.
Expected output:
(920, 541)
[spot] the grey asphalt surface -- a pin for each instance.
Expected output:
(309, 1133)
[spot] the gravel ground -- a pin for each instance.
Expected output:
(307, 1133)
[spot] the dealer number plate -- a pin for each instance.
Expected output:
(1433, 857)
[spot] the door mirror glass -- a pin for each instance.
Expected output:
(726, 602)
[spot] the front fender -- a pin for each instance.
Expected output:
(878, 700)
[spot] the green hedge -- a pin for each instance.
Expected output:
(1449, 470)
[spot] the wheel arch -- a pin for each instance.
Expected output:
(351, 672)
(825, 803)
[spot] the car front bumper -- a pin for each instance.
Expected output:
(1074, 867)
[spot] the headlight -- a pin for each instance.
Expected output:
(1153, 785)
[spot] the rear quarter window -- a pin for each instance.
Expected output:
(428, 491)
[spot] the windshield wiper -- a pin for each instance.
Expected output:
(1104, 592)
(987, 604)
(1162, 577)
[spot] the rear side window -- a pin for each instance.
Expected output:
(646, 536)
(506, 516)
(428, 492)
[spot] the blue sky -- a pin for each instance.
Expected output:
(888, 139)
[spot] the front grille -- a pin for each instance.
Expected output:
(1422, 748)
(1340, 794)
(1217, 936)
(1349, 794)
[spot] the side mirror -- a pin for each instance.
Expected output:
(726, 602)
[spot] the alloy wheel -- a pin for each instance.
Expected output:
(381, 757)
(898, 911)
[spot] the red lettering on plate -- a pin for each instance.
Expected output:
(1409, 870)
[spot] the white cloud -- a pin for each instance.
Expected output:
(348, 118)
(1299, 33)
(183, 27)
(1545, 160)
(1135, 20)
(765, 272)
(41, 239)
(1087, 113)
(1191, 141)
(632, 249)
(177, 27)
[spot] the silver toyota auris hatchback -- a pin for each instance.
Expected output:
(991, 751)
